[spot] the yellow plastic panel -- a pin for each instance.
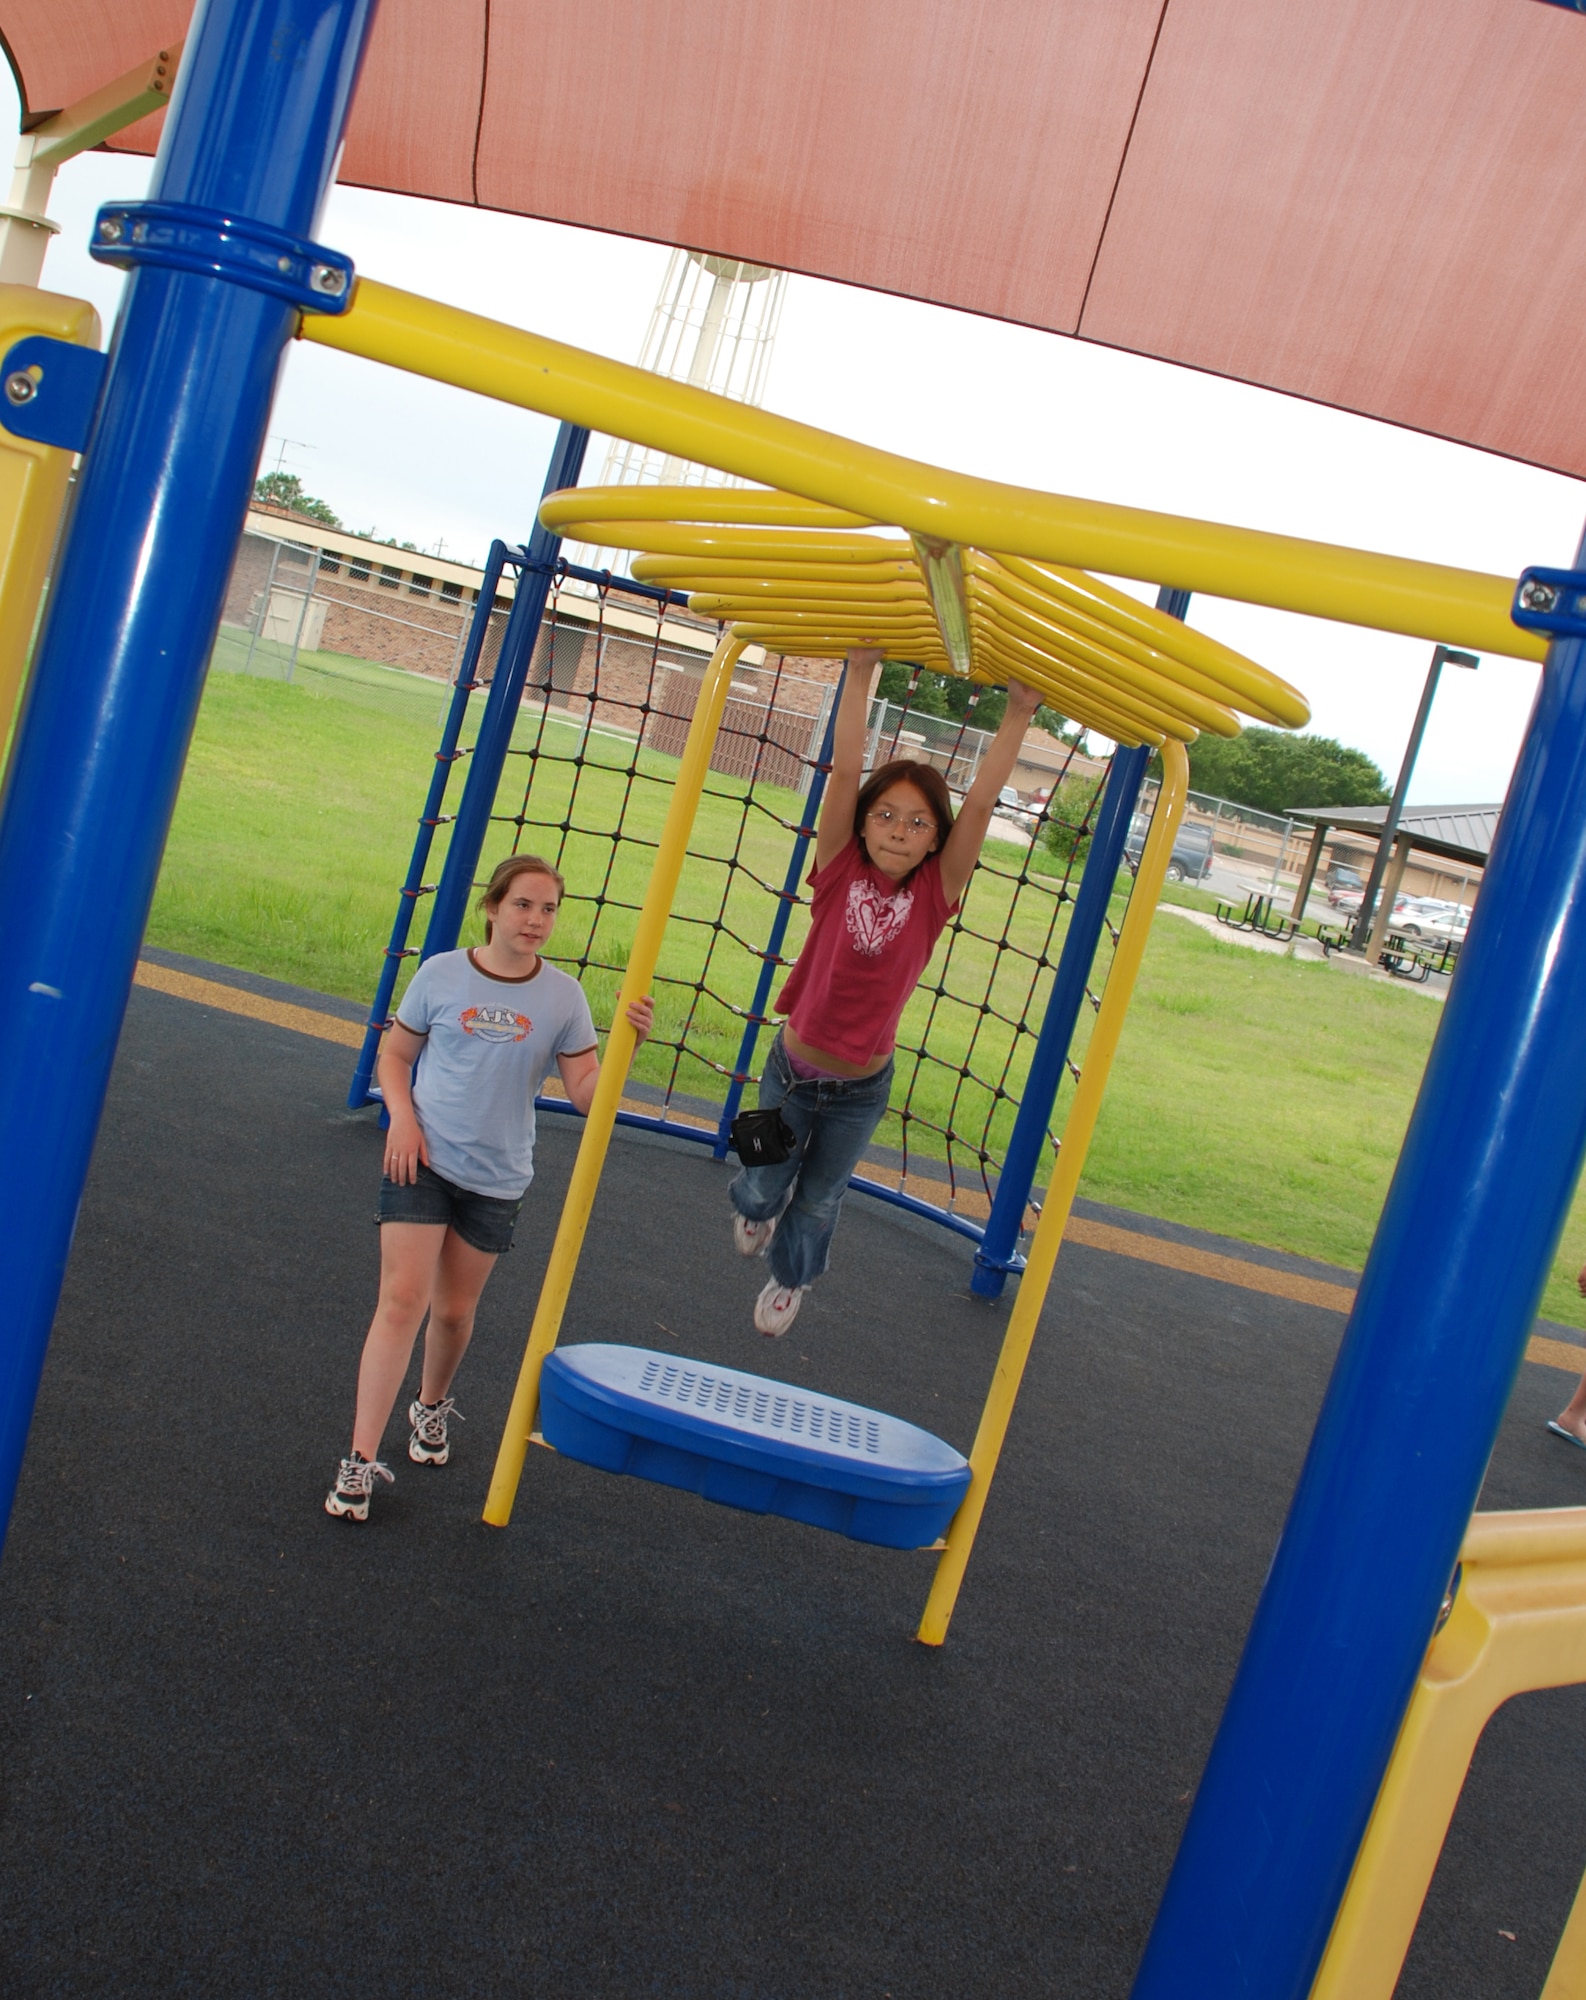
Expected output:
(1518, 1623)
(33, 484)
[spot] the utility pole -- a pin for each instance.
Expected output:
(1441, 657)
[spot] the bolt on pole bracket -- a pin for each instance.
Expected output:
(49, 390)
(182, 237)
(1551, 601)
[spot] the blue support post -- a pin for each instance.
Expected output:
(248, 153)
(501, 706)
(447, 754)
(1437, 1334)
(771, 957)
(998, 1252)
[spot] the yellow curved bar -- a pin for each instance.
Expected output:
(601, 1122)
(1424, 600)
(1188, 712)
(1176, 655)
(1080, 696)
(681, 538)
(1089, 657)
(813, 594)
(859, 611)
(1048, 1238)
(704, 572)
(719, 506)
(1228, 670)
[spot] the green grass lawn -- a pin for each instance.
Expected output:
(1252, 1095)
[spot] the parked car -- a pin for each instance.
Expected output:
(1193, 853)
(1346, 887)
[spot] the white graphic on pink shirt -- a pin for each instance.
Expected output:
(875, 920)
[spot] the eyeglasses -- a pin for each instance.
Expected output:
(885, 816)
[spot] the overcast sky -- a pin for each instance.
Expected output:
(423, 463)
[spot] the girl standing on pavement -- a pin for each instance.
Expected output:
(484, 1028)
(891, 865)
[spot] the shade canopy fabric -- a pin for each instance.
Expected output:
(1364, 202)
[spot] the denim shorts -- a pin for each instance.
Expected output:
(483, 1221)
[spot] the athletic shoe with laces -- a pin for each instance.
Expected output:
(428, 1444)
(349, 1497)
(777, 1307)
(752, 1238)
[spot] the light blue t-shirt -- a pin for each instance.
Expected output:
(491, 1043)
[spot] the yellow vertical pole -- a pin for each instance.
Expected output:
(1020, 1334)
(598, 1127)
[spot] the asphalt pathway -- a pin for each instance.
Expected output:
(636, 1745)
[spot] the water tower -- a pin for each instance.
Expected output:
(713, 326)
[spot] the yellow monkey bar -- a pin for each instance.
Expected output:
(1424, 600)
(792, 576)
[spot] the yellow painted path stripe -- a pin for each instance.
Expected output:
(1095, 1235)
(235, 1000)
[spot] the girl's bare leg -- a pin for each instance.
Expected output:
(459, 1279)
(409, 1255)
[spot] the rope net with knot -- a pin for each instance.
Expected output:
(590, 771)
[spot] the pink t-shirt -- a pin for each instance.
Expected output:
(870, 939)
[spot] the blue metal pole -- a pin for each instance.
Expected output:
(771, 957)
(1439, 1328)
(447, 754)
(501, 707)
(252, 135)
(998, 1252)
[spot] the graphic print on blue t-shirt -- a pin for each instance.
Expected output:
(495, 1024)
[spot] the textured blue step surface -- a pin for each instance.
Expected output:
(747, 1442)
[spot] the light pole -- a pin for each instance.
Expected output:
(1442, 656)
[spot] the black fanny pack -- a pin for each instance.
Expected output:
(763, 1138)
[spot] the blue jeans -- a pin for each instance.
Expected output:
(833, 1119)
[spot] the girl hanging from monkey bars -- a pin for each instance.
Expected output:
(892, 863)
(484, 1027)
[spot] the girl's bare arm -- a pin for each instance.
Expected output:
(974, 816)
(404, 1143)
(581, 1073)
(836, 826)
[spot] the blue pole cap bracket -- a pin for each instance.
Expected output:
(49, 390)
(1551, 601)
(182, 237)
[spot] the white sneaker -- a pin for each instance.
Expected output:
(429, 1444)
(349, 1497)
(777, 1307)
(752, 1238)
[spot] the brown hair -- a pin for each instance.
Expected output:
(505, 873)
(925, 778)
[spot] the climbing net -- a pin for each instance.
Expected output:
(589, 774)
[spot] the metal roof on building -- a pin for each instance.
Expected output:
(1374, 206)
(1458, 833)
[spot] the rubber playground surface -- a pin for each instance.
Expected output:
(635, 1745)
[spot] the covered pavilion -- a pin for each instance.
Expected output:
(1461, 834)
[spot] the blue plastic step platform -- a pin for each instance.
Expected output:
(746, 1442)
